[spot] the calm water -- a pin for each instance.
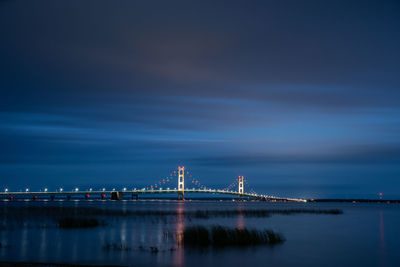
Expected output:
(365, 235)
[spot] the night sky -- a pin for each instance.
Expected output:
(300, 97)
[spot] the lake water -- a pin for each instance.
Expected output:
(364, 235)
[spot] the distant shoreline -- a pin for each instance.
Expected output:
(49, 264)
(342, 200)
(354, 200)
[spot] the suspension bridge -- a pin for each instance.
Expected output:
(239, 188)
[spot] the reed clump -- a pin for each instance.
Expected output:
(78, 222)
(205, 214)
(116, 247)
(218, 236)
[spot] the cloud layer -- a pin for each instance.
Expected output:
(227, 88)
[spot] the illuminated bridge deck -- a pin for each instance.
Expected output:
(134, 193)
(162, 187)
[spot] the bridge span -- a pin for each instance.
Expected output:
(135, 193)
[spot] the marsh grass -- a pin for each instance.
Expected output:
(15, 216)
(78, 222)
(116, 247)
(218, 236)
(196, 236)
(205, 214)
(57, 212)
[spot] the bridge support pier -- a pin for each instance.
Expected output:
(68, 197)
(116, 196)
(52, 197)
(135, 196)
(181, 182)
(241, 188)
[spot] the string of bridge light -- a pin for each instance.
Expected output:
(235, 184)
(195, 181)
(173, 174)
(232, 185)
(252, 191)
(167, 182)
(162, 182)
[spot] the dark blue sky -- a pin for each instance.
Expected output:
(301, 97)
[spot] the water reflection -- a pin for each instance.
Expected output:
(58, 244)
(180, 226)
(3, 240)
(123, 236)
(123, 233)
(382, 244)
(24, 240)
(43, 242)
(27, 242)
(75, 242)
(240, 218)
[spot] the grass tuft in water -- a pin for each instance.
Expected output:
(196, 235)
(116, 247)
(219, 236)
(78, 222)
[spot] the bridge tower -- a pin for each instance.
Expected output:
(181, 182)
(241, 187)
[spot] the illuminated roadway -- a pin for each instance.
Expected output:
(136, 192)
(118, 195)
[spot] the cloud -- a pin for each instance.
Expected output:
(213, 83)
(351, 154)
(226, 52)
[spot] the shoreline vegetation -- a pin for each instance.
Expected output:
(89, 217)
(199, 214)
(218, 237)
(80, 222)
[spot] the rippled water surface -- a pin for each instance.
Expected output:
(364, 235)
